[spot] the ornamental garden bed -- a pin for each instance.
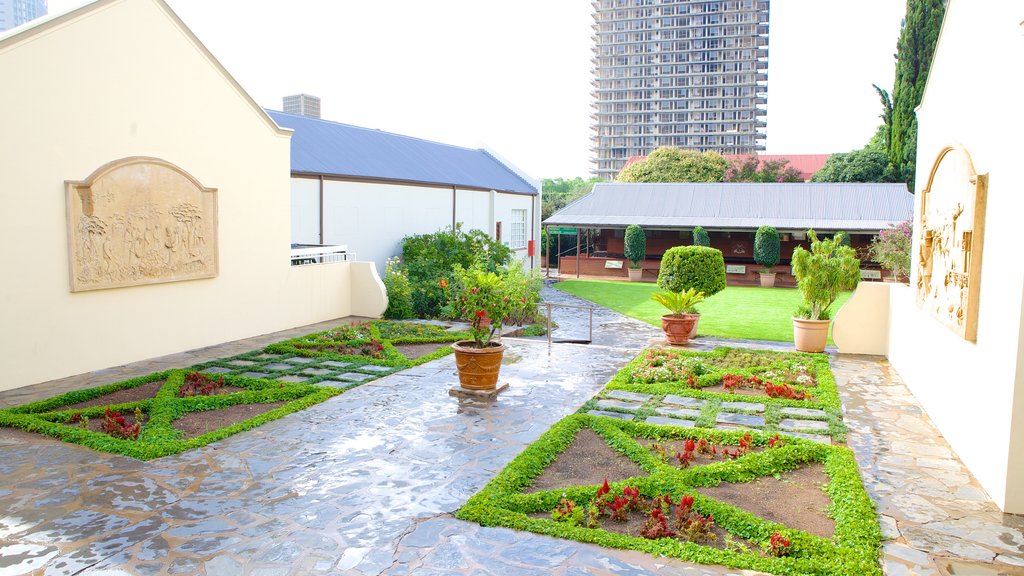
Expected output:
(782, 505)
(176, 410)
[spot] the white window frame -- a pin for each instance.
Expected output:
(517, 230)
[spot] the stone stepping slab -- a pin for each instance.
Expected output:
(255, 374)
(242, 363)
(334, 383)
(267, 356)
(317, 371)
(216, 370)
(624, 395)
(292, 379)
(789, 424)
(748, 420)
(679, 412)
(814, 437)
(802, 412)
(299, 360)
(277, 367)
(335, 364)
(683, 401)
(748, 406)
(670, 421)
(355, 376)
(617, 404)
(376, 369)
(618, 415)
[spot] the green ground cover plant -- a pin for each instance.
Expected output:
(668, 491)
(738, 312)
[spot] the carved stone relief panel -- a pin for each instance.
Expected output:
(140, 221)
(950, 236)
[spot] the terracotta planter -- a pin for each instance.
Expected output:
(478, 367)
(767, 279)
(810, 335)
(635, 274)
(677, 328)
(696, 321)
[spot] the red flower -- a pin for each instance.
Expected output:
(444, 283)
(481, 314)
(473, 289)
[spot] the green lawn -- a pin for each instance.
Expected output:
(737, 312)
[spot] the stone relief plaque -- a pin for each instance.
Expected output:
(950, 237)
(140, 221)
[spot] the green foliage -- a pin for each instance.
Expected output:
(751, 169)
(679, 303)
(823, 272)
(701, 237)
(864, 165)
(523, 288)
(399, 291)
(484, 299)
(427, 258)
(560, 192)
(636, 245)
(668, 164)
(697, 267)
(891, 248)
(767, 247)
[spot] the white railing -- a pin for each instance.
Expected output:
(303, 254)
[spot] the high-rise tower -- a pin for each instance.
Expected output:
(685, 73)
(17, 12)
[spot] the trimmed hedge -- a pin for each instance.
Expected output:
(697, 267)
(635, 245)
(854, 549)
(767, 246)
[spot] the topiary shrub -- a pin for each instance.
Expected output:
(767, 247)
(700, 237)
(636, 245)
(697, 267)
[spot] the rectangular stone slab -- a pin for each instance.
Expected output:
(625, 395)
(751, 420)
(798, 412)
(670, 421)
(617, 404)
(683, 400)
(680, 412)
(618, 415)
(794, 424)
(751, 406)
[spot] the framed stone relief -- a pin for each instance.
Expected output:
(950, 236)
(140, 221)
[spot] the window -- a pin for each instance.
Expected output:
(518, 231)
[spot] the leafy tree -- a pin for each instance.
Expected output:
(751, 169)
(864, 165)
(559, 192)
(668, 164)
(914, 51)
(701, 237)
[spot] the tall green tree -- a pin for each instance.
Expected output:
(752, 169)
(558, 192)
(914, 51)
(668, 164)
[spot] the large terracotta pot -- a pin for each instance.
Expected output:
(696, 321)
(635, 274)
(677, 328)
(478, 367)
(767, 279)
(810, 335)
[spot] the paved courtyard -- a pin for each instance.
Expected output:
(366, 482)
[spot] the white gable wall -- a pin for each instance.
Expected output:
(974, 391)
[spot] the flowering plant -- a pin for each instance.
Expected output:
(482, 298)
(891, 248)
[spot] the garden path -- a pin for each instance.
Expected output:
(366, 482)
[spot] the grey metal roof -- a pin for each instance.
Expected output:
(335, 149)
(796, 206)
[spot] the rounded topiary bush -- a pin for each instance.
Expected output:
(701, 237)
(767, 247)
(636, 245)
(697, 267)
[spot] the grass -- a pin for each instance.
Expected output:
(741, 312)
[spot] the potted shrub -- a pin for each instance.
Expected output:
(701, 237)
(766, 253)
(482, 298)
(683, 314)
(822, 272)
(697, 267)
(635, 251)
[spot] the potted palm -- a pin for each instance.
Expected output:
(482, 298)
(766, 253)
(682, 314)
(822, 272)
(635, 251)
(698, 267)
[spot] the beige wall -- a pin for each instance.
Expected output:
(974, 391)
(122, 78)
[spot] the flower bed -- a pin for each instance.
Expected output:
(664, 512)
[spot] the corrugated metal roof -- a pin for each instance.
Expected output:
(335, 149)
(796, 206)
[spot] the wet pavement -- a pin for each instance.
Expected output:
(365, 483)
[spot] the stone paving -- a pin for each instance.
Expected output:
(366, 482)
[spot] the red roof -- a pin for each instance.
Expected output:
(807, 164)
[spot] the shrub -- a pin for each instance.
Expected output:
(636, 245)
(767, 247)
(523, 288)
(891, 248)
(700, 237)
(399, 291)
(697, 267)
(679, 303)
(427, 258)
(822, 273)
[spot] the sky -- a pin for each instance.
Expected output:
(515, 76)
